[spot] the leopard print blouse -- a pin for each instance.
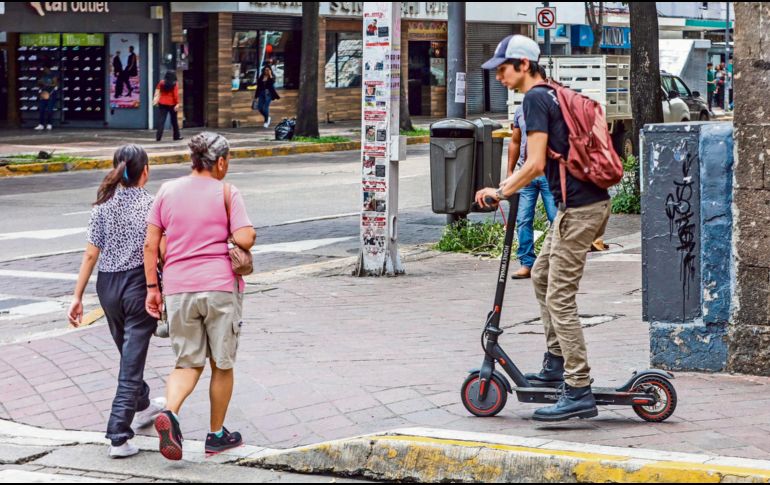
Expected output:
(118, 228)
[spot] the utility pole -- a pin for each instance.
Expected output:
(727, 56)
(381, 145)
(547, 45)
(456, 106)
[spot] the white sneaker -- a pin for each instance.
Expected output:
(267, 123)
(48, 127)
(39, 128)
(142, 419)
(123, 451)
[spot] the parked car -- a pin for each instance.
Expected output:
(675, 88)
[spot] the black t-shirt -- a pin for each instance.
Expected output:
(542, 113)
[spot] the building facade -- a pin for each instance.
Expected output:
(103, 56)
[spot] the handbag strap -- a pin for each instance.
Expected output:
(227, 206)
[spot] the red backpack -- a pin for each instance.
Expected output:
(591, 157)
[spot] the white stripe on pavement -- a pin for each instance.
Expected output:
(42, 235)
(299, 246)
(40, 275)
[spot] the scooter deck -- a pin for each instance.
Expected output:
(605, 396)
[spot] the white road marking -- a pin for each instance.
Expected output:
(616, 258)
(299, 246)
(313, 219)
(40, 275)
(31, 310)
(42, 255)
(42, 235)
(76, 213)
(23, 476)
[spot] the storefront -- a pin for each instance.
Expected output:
(228, 44)
(103, 76)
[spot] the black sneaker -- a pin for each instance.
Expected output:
(228, 441)
(170, 436)
(574, 402)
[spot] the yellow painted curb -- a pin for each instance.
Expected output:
(435, 458)
(172, 158)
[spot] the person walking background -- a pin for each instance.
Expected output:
(525, 219)
(266, 93)
(167, 96)
(48, 84)
(199, 214)
(116, 234)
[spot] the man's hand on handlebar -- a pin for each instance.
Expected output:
(487, 198)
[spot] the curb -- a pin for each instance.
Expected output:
(423, 455)
(184, 157)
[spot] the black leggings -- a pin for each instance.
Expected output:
(166, 110)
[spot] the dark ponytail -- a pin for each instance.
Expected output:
(129, 162)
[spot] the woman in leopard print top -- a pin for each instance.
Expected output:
(115, 237)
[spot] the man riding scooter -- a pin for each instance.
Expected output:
(583, 218)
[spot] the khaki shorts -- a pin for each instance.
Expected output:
(205, 325)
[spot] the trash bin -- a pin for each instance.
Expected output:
(452, 161)
(489, 156)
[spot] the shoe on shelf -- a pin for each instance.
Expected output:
(39, 128)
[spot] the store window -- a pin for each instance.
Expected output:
(438, 63)
(344, 54)
(254, 49)
(427, 63)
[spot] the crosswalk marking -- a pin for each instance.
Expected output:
(42, 235)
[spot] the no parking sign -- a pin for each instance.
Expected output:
(546, 17)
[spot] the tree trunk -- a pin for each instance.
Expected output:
(596, 22)
(646, 99)
(307, 105)
(404, 117)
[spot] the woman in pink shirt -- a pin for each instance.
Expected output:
(204, 298)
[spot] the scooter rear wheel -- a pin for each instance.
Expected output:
(497, 396)
(665, 393)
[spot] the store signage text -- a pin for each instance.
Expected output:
(43, 8)
(408, 9)
(278, 4)
(352, 8)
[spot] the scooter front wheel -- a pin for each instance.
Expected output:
(495, 401)
(665, 395)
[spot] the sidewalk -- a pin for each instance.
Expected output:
(328, 356)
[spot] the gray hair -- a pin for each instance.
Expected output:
(206, 148)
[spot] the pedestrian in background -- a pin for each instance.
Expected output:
(266, 93)
(711, 81)
(167, 99)
(48, 86)
(116, 234)
(525, 219)
(204, 298)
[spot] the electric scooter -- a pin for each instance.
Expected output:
(485, 391)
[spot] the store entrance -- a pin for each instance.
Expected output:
(419, 76)
(194, 86)
(3, 85)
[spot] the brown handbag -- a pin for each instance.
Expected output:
(242, 260)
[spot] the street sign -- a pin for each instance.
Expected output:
(546, 17)
(381, 145)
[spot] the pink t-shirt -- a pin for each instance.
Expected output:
(191, 211)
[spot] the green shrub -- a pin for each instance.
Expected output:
(628, 199)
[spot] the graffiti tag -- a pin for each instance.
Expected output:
(681, 219)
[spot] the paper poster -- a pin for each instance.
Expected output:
(460, 88)
(125, 66)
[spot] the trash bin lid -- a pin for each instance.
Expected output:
(453, 128)
(484, 122)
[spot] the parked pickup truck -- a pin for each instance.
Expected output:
(607, 80)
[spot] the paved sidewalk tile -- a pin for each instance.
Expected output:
(329, 357)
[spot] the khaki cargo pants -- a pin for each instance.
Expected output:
(556, 276)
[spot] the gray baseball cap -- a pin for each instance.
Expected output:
(513, 47)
